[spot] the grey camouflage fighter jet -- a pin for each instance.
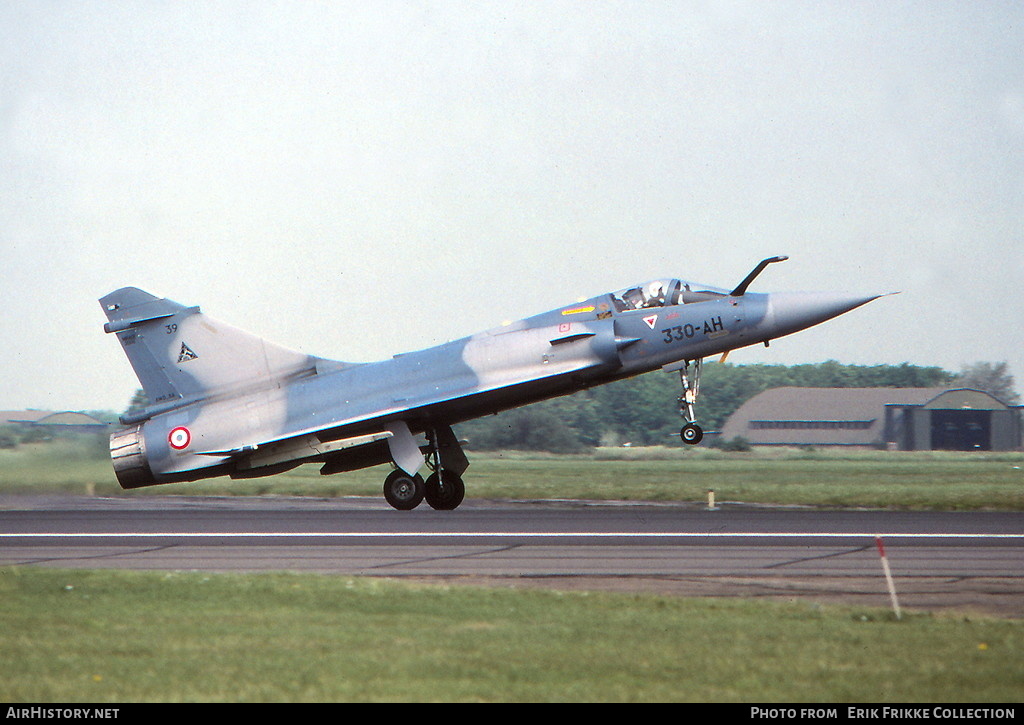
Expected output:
(225, 402)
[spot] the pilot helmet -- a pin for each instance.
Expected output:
(655, 291)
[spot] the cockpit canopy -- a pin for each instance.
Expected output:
(663, 293)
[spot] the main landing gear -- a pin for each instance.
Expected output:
(690, 433)
(403, 491)
(443, 489)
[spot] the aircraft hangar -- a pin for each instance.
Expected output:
(909, 419)
(66, 421)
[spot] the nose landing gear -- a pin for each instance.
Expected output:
(690, 433)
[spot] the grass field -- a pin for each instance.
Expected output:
(933, 480)
(109, 636)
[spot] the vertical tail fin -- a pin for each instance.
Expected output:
(179, 353)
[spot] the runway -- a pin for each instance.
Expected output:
(971, 561)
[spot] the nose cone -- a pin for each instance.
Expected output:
(791, 311)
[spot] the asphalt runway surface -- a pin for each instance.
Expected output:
(959, 561)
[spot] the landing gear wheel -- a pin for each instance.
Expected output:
(691, 433)
(445, 492)
(402, 491)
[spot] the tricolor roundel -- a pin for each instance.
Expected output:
(179, 438)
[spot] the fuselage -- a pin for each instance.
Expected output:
(595, 341)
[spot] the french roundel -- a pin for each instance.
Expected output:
(179, 438)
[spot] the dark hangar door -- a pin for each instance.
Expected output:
(962, 430)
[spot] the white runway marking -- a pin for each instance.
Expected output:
(492, 535)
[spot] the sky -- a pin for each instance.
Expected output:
(356, 180)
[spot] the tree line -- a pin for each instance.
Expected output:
(644, 410)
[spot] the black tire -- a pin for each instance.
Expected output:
(691, 433)
(402, 491)
(448, 496)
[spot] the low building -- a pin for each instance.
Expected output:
(64, 421)
(900, 418)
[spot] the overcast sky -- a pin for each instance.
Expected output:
(356, 180)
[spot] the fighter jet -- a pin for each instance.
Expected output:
(226, 402)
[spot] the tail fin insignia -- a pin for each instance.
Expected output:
(152, 331)
(186, 354)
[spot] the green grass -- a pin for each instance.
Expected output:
(118, 637)
(930, 480)
(109, 636)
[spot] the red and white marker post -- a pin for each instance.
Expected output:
(888, 575)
